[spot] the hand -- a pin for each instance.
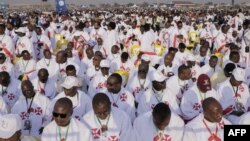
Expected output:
(41, 130)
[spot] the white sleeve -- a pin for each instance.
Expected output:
(187, 109)
(3, 107)
(126, 131)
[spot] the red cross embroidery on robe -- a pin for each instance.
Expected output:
(196, 106)
(96, 133)
(241, 88)
(113, 138)
(4, 68)
(164, 138)
(38, 111)
(214, 137)
(123, 97)
(11, 96)
(23, 115)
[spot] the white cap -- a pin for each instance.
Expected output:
(239, 74)
(145, 57)
(104, 64)
(21, 29)
(159, 77)
(9, 125)
(69, 82)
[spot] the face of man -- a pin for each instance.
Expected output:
(187, 74)
(213, 62)
(43, 76)
(102, 110)
(112, 85)
(15, 137)
(28, 90)
(97, 60)
(214, 112)
(234, 82)
(168, 60)
(159, 85)
(203, 51)
(105, 71)
(62, 114)
(47, 54)
(26, 56)
(143, 71)
(61, 58)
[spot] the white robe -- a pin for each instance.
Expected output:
(48, 64)
(197, 131)
(98, 84)
(177, 87)
(48, 89)
(245, 119)
(228, 97)
(8, 67)
(123, 100)
(12, 92)
(119, 126)
(221, 40)
(145, 129)
(191, 104)
(77, 131)
(117, 64)
(25, 67)
(147, 41)
(206, 69)
(39, 115)
(24, 43)
(168, 70)
(149, 99)
(138, 87)
(3, 107)
(81, 103)
(7, 45)
(46, 45)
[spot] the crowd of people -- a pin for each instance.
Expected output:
(124, 75)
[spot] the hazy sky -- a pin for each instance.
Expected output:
(112, 1)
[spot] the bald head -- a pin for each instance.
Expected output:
(64, 102)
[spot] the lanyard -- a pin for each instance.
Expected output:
(60, 134)
(160, 134)
(29, 106)
(235, 91)
(47, 64)
(25, 66)
(99, 120)
(115, 101)
(213, 134)
(203, 96)
(161, 96)
(4, 91)
(42, 90)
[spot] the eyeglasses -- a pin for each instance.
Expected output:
(58, 114)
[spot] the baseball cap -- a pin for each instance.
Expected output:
(69, 82)
(21, 30)
(239, 74)
(204, 82)
(9, 125)
(104, 64)
(159, 77)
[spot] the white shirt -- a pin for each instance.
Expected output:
(7, 45)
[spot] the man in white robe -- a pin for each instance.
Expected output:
(191, 104)
(43, 84)
(139, 82)
(33, 108)
(168, 69)
(42, 43)
(212, 67)
(157, 93)
(119, 96)
(48, 62)
(245, 119)
(107, 122)
(24, 43)
(6, 65)
(180, 83)
(233, 96)
(25, 66)
(6, 43)
(9, 89)
(99, 82)
(65, 126)
(208, 126)
(159, 125)
(81, 101)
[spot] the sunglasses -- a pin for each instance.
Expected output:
(58, 114)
